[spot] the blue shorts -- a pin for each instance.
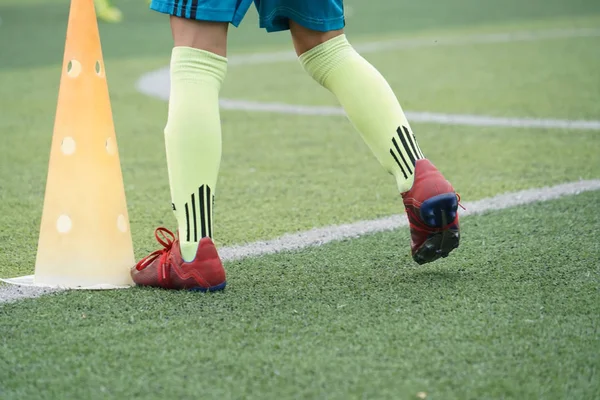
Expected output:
(318, 15)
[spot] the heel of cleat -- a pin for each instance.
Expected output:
(436, 246)
(216, 288)
(439, 210)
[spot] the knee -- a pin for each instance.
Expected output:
(203, 35)
(306, 39)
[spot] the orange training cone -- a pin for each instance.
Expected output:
(84, 239)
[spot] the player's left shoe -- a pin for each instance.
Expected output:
(166, 268)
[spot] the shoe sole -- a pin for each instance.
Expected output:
(438, 212)
(216, 288)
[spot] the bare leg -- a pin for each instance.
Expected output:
(203, 35)
(305, 39)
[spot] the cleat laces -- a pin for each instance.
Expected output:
(166, 238)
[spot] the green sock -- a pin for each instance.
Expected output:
(370, 105)
(193, 142)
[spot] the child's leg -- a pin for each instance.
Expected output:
(193, 144)
(193, 129)
(429, 199)
(367, 98)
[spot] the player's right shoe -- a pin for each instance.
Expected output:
(432, 208)
(165, 268)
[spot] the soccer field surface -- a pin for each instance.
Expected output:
(502, 96)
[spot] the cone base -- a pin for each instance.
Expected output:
(29, 280)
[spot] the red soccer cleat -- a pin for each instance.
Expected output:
(166, 268)
(432, 208)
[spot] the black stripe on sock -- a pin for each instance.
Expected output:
(405, 145)
(398, 162)
(187, 220)
(402, 156)
(421, 155)
(202, 216)
(412, 140)
(208, 201)
(194, 9)
(194, 215)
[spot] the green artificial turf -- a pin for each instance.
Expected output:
(511, 314)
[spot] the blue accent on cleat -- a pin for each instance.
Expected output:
(439, 210)
(210, 289)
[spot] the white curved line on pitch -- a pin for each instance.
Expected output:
(415, 116)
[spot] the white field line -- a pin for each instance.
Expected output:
(156, 83)
(320, 236)
(415, 116)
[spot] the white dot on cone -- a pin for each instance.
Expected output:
(73, 68)
(110, 146)
(122, 223)
(63, 224)
(99, 69)
(67, 146)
